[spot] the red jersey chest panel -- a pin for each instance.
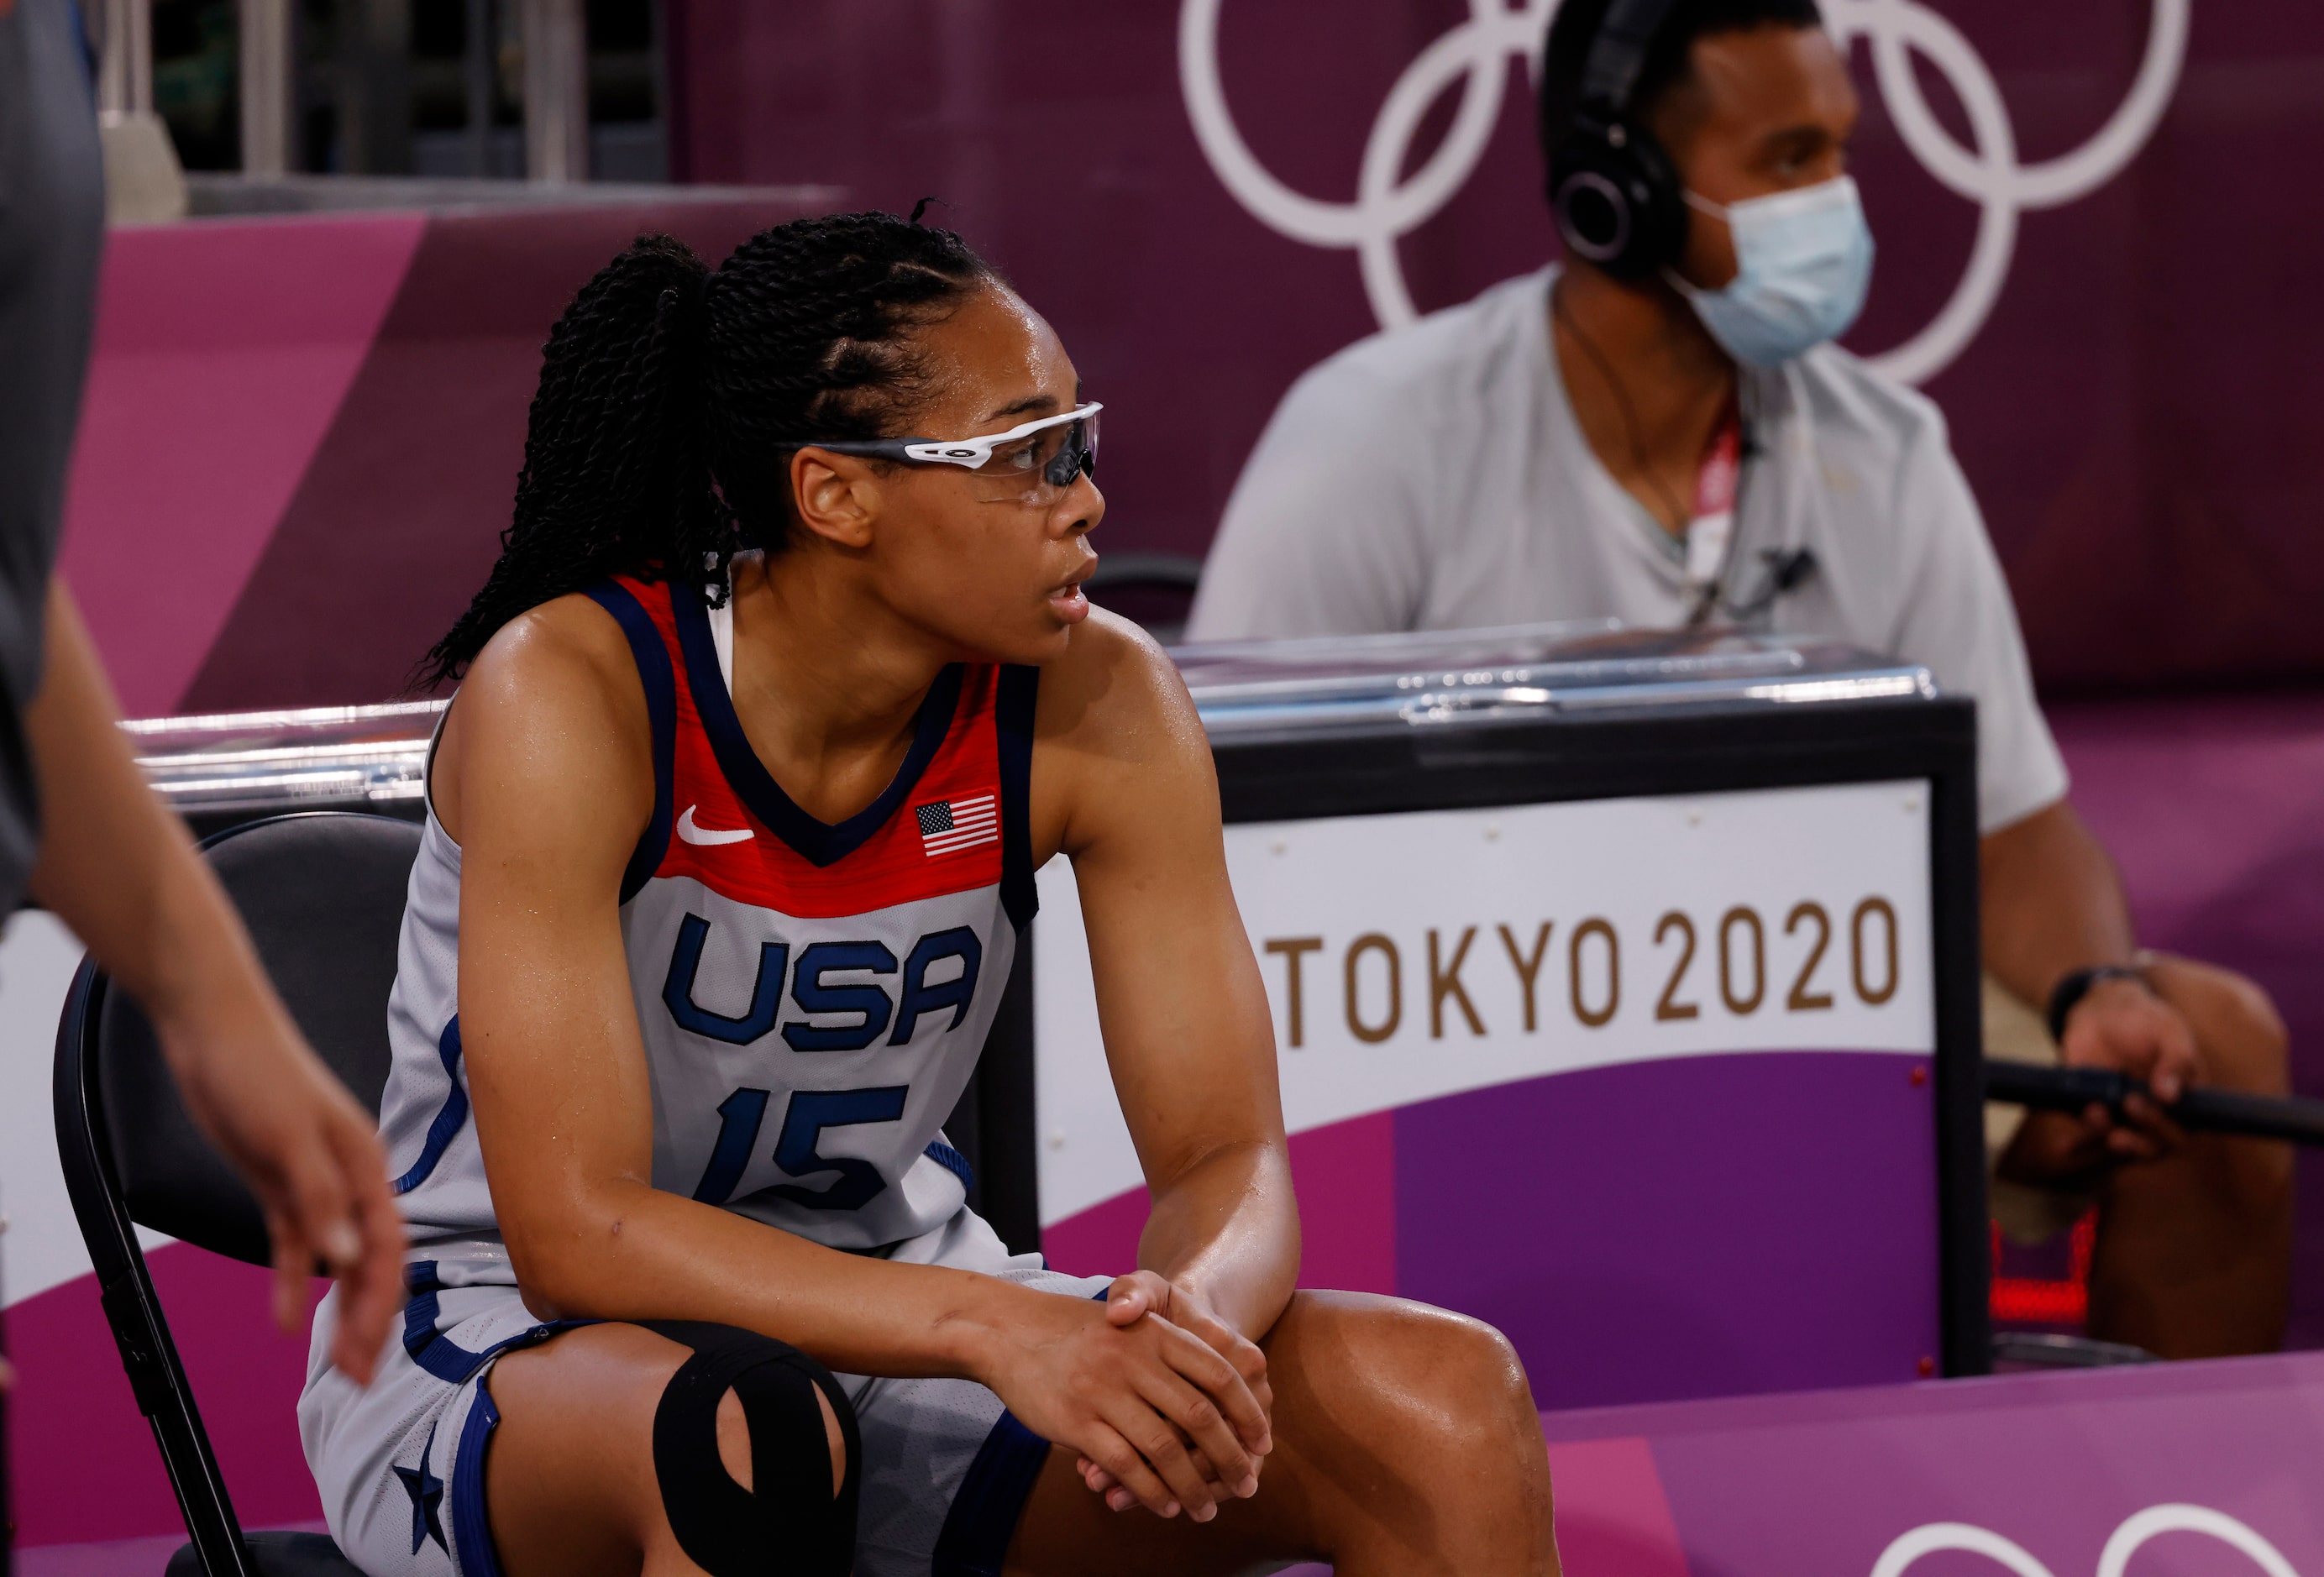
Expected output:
(939, 828)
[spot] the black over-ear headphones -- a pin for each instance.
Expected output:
(1617, 197)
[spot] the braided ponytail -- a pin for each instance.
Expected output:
(670, 398)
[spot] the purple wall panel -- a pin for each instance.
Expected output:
(82, 1457)
(2136, 413)
(1573, 1213)
(397, 519)
(222, 354)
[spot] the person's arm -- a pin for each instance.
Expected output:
(1125, 786)
(2050, 902)
(553, 788)
(1188, 1035)
(1326, 532)
(119, 869)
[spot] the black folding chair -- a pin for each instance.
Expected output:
(323, 898)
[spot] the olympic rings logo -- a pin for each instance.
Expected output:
(1477, 55)
(2114, 1560)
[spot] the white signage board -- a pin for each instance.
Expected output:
(1419, 955)
(40, 1247)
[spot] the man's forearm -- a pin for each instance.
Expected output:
(1228, 1226)
(114, 864)
(2053, 903)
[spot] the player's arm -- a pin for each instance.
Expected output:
(121, 870)
(1132, 798)
(551, 785)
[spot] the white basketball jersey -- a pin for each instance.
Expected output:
(812, 998)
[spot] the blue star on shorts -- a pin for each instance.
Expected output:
(426, 1493)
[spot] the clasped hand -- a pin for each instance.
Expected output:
(1168, 1406)
(2123, 1026)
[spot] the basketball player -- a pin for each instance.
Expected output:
(782, 689)
(1659, 429)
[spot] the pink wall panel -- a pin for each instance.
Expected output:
(223, 353)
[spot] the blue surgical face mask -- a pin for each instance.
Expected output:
(1804, 262)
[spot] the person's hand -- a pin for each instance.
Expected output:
(311, 1156)
(1134, 1296)
(2122, 1025)
(1157, 1407)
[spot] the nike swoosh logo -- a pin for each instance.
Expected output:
(695, 835)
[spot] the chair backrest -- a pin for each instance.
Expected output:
(322, 896)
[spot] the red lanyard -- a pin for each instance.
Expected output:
(1712, 528)
(1723, 468)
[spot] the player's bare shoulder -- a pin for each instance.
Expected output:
(1116, 729)
(1115, 692)
(566, 641)
(554, 692)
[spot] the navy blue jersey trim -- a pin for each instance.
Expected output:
(660, 682)
(991, 1503)
(472, 1529)
(1014, 710)
(819, 842)
(437, 1353)
(429, 1348)
(449, 1120)
(952, 1161)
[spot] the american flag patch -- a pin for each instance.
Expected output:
(950, 825)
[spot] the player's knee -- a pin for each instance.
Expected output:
(2244, 1043)
(2250, 1046)
(1488, 1374)
(1450, 1373)
(755, 1451)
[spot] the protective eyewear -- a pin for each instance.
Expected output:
(1056, 449)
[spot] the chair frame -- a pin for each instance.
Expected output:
(125, 1289)
(141, 1330)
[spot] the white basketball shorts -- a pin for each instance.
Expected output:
(945, 1468)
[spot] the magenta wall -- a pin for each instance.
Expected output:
(302, 434)
(2138, 413)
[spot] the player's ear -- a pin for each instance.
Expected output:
(835, 496)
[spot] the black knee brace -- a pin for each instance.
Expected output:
(787, 1522)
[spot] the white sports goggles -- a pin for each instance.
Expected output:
(1014, 453)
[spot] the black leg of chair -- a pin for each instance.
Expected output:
(159, 1380)
(156, 1377)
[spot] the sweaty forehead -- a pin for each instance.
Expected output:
(996, 361)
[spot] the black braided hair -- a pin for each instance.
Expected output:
(668, 393)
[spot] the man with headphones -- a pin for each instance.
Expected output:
(1661, 431)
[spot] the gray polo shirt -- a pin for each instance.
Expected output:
(1435, 477)
(51, 230)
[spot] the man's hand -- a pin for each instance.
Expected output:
(2121, 1026)
(1132, 1298)
(312, 1158)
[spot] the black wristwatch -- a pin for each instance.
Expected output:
(2069, 992)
